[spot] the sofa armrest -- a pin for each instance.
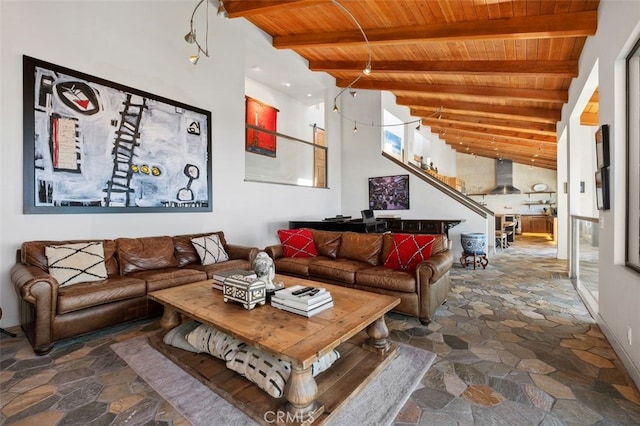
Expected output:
(26, 280)
(39, 293)
(241, 252)
(275, 251)
(437, 265)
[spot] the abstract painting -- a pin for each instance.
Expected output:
(389, 192)
(261, 120)
(95, 146)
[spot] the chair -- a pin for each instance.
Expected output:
(371, 223)
(501, 234)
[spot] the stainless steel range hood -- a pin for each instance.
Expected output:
(504, 178)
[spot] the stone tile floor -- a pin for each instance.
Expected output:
(515, 346)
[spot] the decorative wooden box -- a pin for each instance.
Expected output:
(248, 291)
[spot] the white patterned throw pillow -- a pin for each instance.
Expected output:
(210, 249)
(76, 263)
(214, 342)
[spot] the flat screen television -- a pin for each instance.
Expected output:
(389, 192)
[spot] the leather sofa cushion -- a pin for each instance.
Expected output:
(389, 279)
(296, 265)
(185, 253)
(33, 253)
(157, 279)
(85, 295)
(147, 253)
(222, 266)
(361, 247)
(342, 270)
(327, 242)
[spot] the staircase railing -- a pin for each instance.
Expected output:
(443, 187)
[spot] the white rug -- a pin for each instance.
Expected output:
(377, 404)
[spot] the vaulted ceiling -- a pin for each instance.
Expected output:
(489, 77)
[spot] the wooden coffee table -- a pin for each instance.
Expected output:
(291, 337)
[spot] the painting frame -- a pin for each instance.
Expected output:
(389, 192)
(90, 145)
(261, 126)
(632, 195)
(602, 188)
(602, 146)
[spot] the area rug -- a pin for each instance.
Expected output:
(378, 403)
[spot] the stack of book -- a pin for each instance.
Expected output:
(220, 276)
(306, 301)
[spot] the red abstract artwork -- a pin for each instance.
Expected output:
(261, 127)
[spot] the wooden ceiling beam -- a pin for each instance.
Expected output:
(552, 96)
(454, 124)
(577, 24)
(556, 69)
(590, 119)
(480, 109)
(245, 8)
(517, 156)
(485, 130)
(497, 123)
(545, 164)
(463, 132)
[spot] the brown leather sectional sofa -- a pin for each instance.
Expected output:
(135, 266)
(356, 260)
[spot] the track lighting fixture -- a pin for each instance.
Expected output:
(222, 11)
(353, 93)
(355, 127)
(335, 107)
(191, 38)
(418, 127)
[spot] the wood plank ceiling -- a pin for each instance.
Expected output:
(489, 77)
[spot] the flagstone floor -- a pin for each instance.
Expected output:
(514, 343)
(516, 346)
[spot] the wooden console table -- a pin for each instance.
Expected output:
(422, 226)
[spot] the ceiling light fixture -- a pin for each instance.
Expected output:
(191, 38)
(367, 71)
(222, 11)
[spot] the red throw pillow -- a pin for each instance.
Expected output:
(297, 242)
(408, 251)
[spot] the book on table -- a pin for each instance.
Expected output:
(302, 300)
(220, 276)
(302, 295)
(304, 312)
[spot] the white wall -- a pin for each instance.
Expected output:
(422, 142)
(619, 288)
(140, 44)
(293, 161)
(479, 174)
(362, 159)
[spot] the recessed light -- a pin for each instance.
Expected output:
(309, 94)
(286, 84)
(256, 68)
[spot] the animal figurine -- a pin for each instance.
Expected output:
(265, 269)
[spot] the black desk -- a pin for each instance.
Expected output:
(408, 226)
(355, 225)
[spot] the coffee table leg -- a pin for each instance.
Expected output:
(170, 318)
(378, 333)
(301, 391)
